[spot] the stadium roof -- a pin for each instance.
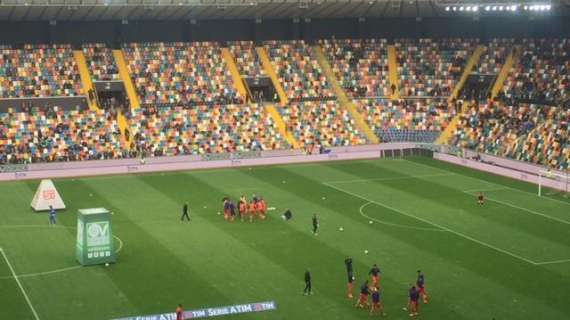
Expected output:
(96, 10)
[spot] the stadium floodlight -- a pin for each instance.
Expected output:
(494, 8)
(548, 7)
(468, 8)
(454, 8)
(447, 8)
(475, 8)
(487, 8)
(461, 8)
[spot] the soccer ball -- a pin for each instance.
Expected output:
(341, 229)
(324, 198)
(365, 251)
(283, 181)
(219, 213)
(106, 264)
(370, 222)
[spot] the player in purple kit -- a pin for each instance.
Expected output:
(376, 306)
(414, 296)
(420, 283)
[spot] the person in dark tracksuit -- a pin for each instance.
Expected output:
(308, 287)
(185, 212)
(315, 225)
(52, 214)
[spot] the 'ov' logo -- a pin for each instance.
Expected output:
(98, 233)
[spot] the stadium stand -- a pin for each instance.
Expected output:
(361, 65)
(246, 58)
(203, 129)
(429, 67)
(38, 71)
(417, 120)
(168, 74)
(541, 74)
(496, 52)
(528, 132)
(298, 70)
(101, 62)
(320, 125)
(51, 134)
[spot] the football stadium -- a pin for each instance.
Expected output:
(284, 159)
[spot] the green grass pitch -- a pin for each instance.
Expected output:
(508, 259)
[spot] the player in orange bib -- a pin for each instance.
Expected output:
(261, 208)
(252, 210)
(242, 208)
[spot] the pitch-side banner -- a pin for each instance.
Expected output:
(211, 312)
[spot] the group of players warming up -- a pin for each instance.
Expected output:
(246, 210)
(372, 288)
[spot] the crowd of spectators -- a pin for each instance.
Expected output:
(522, 131)
(360, 65)
(420, 120)
(247, 61)
(50, 134)
(38, 71)
(167, 74)
(431, 67)
(542, 73)
(203, 129)
(298, 70)
(321, 124)
(100, 62)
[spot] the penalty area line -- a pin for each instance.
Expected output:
(394, 224)
(459, 234)
(553, 262)
(20, 284)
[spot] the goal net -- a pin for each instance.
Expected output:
(551, 183)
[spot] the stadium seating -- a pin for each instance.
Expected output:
(247, 61)
(527, 132)
(542, 74)
(429, 67)
(52, 134)
(204, 129)
(492, 60)
(100, 62)
(298, 70)
(417, 120)
(316, 124)
(39, 71)
(167, 74)
(360, 65)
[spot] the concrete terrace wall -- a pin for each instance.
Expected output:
(130, 166)
(504, 167)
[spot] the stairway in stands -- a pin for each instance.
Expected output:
(131, 93)
(393, 72)
(342, 98)
(471, 63)
(268, 67)
(85, 75)
(504, 73)
(231, 64)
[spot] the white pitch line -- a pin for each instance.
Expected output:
(497, 184)
(437, 225)
(552, 262)
(394, 224)
(530, 211)
(20, 285)
(394, 178)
